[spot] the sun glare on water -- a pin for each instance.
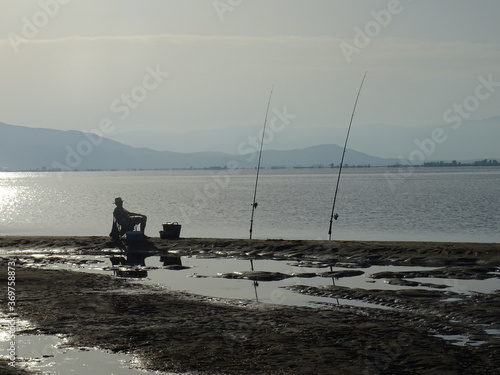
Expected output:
(9, 196)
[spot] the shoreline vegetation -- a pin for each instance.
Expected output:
(454, 163)
(174, 331)
(436, 164)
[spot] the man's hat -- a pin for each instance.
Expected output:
(118, 200)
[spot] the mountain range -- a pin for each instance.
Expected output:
(472, 140)
(27, 148)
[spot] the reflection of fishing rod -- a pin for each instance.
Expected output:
(255, 285)
(334, 215)
(333, 280)
(255, 204)
(255, 282)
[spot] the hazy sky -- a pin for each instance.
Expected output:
(189, 64)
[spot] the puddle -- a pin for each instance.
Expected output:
(228, 278)
(218, 278)
(460, 340)
(202, 276)
(464, 286)
(451, 299)
(50, 355)
(493, 332)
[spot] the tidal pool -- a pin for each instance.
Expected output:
(204, 276)
(50, 355)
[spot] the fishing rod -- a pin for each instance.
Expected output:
(334, 215)
(255, 204)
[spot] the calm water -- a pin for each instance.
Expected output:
(435, 204)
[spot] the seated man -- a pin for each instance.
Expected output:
(128, 220)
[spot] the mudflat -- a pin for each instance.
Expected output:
(173, 331)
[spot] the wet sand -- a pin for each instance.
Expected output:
(174, 331)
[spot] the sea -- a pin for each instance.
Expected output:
(389, 204)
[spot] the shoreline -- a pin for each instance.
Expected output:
(175, 331)
(412, 252)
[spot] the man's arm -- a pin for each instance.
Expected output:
(133, 214)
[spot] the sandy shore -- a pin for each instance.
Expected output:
(173, 331)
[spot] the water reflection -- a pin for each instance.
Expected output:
(266, 276)
(263, 280)
(255, 282)
(8, 201)
(333, 281)
(133, 264)
(172, 261)
(6, 194)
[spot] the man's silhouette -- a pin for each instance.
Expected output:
(128, 220)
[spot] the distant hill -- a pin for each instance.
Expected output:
(320, 155)
(25, 148)
(473, 140)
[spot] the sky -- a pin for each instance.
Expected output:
(210, 64)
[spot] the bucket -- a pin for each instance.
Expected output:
(170, 231)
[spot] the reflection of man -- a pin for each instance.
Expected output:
(128, 219)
